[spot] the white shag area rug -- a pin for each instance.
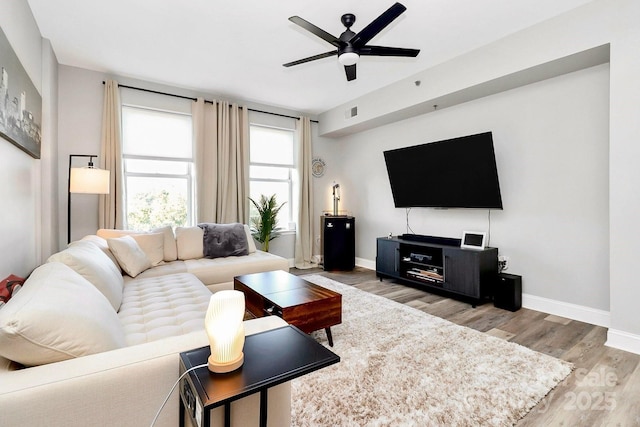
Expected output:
(403, 367)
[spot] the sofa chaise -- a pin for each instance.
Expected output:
(93, 336)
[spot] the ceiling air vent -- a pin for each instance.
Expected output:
(351, 112)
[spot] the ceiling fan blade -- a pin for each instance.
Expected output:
(315, 30)
(350, 70)
(388, 51)
(377, 25)
(311, 58)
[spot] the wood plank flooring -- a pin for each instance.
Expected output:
(604, 388)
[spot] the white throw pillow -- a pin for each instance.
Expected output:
(86, 259)
(152, 244)
(189, 241)
(129, 255)
(250, 241)
(57, 315)
(170, 250)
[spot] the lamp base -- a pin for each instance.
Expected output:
(223, 368)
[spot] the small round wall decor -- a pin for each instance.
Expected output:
(317, 167)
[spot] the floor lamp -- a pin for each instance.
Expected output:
(87, 180)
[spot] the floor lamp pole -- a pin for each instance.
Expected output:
(71, 156)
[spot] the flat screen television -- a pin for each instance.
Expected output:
(454, 173)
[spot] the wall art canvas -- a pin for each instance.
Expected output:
(20, 102)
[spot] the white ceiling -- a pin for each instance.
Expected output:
(235, 49)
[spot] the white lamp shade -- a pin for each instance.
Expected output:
(348, 58)
(89, 181)
(225, 329)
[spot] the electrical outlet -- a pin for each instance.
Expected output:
(503, 263)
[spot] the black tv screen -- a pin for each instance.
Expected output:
(454, 173)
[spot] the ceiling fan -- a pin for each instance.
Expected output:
(350, 46)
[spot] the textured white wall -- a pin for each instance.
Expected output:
(79, 127)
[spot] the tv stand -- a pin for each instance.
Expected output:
(438, 264)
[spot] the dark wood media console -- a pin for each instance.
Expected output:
(466, 274)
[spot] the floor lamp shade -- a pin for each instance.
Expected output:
(89, 181)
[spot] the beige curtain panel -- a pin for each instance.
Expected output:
(221, 132)
(304, 230)
(111, 206)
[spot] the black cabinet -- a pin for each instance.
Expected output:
(338, 242)
(467, 273)
(388, 258)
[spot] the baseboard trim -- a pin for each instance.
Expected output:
(564, 309)
(623, 341)
(365, 263)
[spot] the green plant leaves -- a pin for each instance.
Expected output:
(264, 227)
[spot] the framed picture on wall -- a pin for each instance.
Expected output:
(20, 102)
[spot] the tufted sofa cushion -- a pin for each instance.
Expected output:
(158, 307)
(223, 270)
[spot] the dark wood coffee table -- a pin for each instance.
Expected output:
(303, 304)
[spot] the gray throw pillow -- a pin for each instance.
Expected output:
(222, 240)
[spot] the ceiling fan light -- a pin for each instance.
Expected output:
(348, 58)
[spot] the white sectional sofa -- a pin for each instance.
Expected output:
(84, 344)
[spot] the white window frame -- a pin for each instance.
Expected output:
(290, 180)
(189, 175)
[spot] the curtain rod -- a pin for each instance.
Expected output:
(206, 101)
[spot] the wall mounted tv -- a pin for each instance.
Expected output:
(454, 173)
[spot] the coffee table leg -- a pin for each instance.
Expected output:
(329, 336)
(263, 407)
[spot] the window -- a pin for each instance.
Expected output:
(271, 168)
(158, 167)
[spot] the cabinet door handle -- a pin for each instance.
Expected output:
(397, 260)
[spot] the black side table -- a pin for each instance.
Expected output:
(270, 358)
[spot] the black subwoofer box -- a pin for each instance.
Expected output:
(507, 293)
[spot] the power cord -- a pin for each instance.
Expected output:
(407, 211)
(489, 233)
(171, 391)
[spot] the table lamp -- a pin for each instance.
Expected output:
(225, 329)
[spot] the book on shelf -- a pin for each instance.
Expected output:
(425, 274)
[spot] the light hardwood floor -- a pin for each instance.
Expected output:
(603, 389)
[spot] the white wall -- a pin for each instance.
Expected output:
(79, 127)
(23, 209)
(551, 143)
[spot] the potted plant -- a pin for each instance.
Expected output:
(264, 226)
